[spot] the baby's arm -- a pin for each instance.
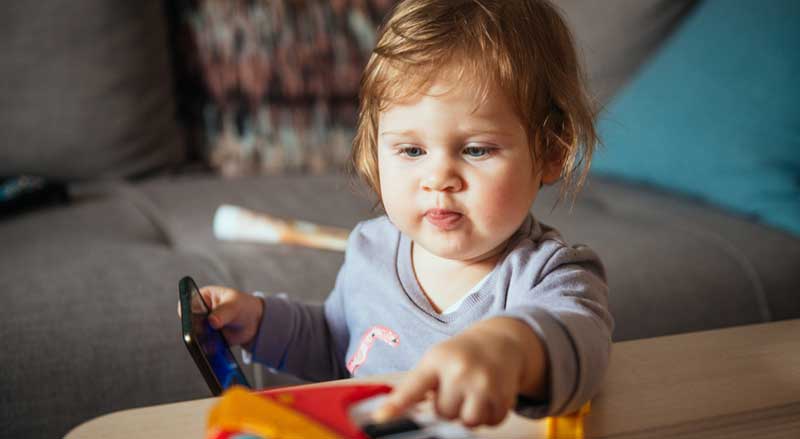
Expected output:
(291, 336)
(307, 340)
(567, 307)
(477, 374)
(283, 334)
(551, 344)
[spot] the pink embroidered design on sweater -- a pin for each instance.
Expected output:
(374, 333)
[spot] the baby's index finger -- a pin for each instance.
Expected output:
(413, 390)
(385, 412)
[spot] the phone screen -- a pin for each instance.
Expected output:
(211, 343)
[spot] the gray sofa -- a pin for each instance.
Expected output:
(89, 286)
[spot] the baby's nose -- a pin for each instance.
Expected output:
(442, 179)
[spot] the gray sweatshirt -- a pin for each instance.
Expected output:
(378, 320)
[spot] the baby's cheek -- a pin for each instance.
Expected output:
(505, 209)
(399, 208)
(391, 193)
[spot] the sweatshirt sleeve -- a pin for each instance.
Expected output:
(567, 307)
(306, 340)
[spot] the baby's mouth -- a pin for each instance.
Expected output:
(443, 219)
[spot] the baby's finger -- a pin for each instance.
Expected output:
(475, 411)
(449, 399)
(497, 412)
(410, 392)
(222, 315)
(211, 295)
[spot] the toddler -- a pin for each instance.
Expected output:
(467, 108)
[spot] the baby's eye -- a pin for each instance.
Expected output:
(412, 151)
(477, 151)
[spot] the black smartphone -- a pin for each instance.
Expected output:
(207, 346)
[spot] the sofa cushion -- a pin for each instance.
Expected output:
(90, 324)
(85, 89)
(615, 37)
(715, 114)
(675, 264)
(187, 205)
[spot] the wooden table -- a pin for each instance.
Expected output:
(741, 382)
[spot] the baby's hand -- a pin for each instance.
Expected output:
(237, 314)
(474, 376)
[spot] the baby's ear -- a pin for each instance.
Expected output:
(556, 142)
(553, 163)
(552, 171)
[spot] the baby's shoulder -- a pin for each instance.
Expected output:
(545, 246)
(375, 228)
(372, 235)
(538, 239)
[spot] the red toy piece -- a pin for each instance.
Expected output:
(323, 405)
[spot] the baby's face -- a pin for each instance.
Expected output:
(456, 174)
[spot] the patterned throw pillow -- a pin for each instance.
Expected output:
(272, 85)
